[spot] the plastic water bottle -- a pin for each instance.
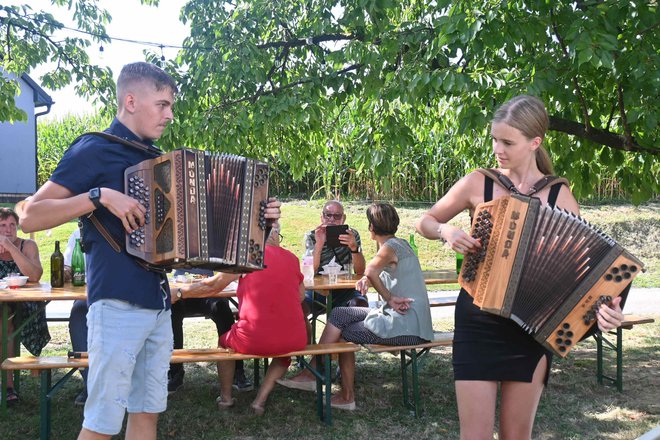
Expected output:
(308, 266)
(412, 243)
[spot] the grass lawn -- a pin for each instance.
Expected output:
(573, 407)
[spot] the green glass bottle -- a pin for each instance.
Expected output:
(412, 244)
(57, 267)
(78, 265)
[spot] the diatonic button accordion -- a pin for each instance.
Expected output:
(545, 268)
(204, 210)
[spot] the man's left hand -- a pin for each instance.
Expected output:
(348, 239)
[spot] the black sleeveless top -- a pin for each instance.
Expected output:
(34, 335)
(489, 347)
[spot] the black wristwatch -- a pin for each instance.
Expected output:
(179, 295)
(357, 251)
(95, 197)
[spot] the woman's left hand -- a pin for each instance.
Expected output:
(400, 305)
(610, 315)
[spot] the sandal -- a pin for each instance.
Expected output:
(222, 404)
(12, 397)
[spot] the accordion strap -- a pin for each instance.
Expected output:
(120, 140)
(117, 245)
(505, 182)
(104, 232)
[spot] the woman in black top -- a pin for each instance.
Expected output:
(489, 350)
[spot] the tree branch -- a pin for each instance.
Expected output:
(255, 96)
(299, 42)
(599, 136)
(624, 118)
(578, 89)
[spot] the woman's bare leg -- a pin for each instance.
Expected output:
(330, 334)
(276, 370)
(226, 377)
(347, 368)
(519, 403)
(476, 408)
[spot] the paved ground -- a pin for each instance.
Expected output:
(640, 301)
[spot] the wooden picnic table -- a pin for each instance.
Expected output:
(322, 285)
(43, 292)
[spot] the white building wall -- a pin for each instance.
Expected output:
(18, 148)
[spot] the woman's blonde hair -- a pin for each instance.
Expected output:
(528, 114)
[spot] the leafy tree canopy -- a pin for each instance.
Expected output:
(305, 80)
(28, 39)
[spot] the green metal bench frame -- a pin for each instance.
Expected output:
(411, 358)
(323, 385)
(602, 343)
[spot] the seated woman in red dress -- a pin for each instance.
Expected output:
(270, 319)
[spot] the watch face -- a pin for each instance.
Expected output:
(94, 193)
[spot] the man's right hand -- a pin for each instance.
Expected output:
(126, 208)
(320, 235)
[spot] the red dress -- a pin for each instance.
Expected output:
(270, 317)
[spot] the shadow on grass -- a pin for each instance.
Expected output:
(573, 407)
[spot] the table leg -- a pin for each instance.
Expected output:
(5, 347)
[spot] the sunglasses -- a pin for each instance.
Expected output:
(329, 216)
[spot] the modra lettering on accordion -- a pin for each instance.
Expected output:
(547, 269)
(203, 210)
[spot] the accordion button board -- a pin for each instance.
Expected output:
(204, 210)
(545, 268)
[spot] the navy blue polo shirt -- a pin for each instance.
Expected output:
(93, 162)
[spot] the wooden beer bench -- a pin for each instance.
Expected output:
(617, 347)
(410, 356)
(46, 365)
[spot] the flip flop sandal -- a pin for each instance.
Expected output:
(223, 404)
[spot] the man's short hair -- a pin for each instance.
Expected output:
(333, 202)
(141, 71)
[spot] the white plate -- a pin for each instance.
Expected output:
(341, 272)
(3, 285)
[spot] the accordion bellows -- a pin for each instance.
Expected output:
(204, 210)
(545, 268)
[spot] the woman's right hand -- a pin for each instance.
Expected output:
(459, 241)
(362, 285)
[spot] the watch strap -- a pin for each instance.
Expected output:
(95, 197)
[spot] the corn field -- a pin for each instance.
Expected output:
(421, 171)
